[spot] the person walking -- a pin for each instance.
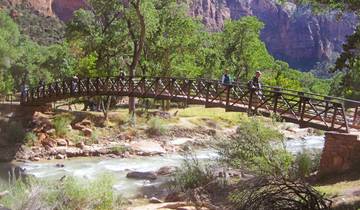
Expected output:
(226, 80)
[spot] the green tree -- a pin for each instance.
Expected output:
(9, 39)
(244, 51)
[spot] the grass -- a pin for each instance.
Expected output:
(69, 193)
(216, 114)
(30, 138)
(156, 127)
(338, 188)
(61, 123)
(119, 149)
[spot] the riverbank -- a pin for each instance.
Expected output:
(71, 134)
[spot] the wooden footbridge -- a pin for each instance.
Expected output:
(305, 109)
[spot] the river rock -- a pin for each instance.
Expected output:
(48, 142)
(154, 200)
(78, 126)
(141, 175)
(86, 123)
(61, 142)
(147, 148)
(34, 158)
(87, 132)
(3, 194)
(59, 165)
(51, 132)
(80, 145)
(60, 156)
(166, 170)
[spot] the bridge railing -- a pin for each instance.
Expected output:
(306, 109)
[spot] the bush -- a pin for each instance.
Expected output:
(30, 138)
(156, 127)
(192, 175)
(61, 124)
(70, 193)
(119, 149)
(257, 148)
(306, 163)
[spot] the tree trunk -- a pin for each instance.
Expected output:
(138, 46)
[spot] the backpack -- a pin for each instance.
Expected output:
(226, 79)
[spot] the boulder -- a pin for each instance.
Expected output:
(51, 132)
(154, 200)
(141, 175)
(4, 193)
(78, 126)
(87, 132)
(60, 156)
(175, 197)
(166, 170)
(80, 145)
(59, 165)
(86, 123)
(61, 142)
(147, 148)
(48, 142)
(34, 158)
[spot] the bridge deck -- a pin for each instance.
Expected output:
(305, 109)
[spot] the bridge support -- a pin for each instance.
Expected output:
(341, 153)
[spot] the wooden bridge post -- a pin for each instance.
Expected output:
(229, 88)
(88, 86)
(188, 91)
(251, 91)
(302, 107)
(277, 91)
(64, 87)
(207, 93)
(171, 88)
(355, 115)
(334, 115)
(327, 99)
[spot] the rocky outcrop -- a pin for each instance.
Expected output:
(291, 33)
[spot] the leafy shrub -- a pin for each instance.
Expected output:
(156, 127)
(30, 138)
(305, 163)
(256, 147)
(61, 124)
(192, 175)
(69, 193)
(119, 149)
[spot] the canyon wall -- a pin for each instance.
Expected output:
(291, 33)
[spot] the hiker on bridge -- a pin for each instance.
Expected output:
(226, 80)
(256, 84)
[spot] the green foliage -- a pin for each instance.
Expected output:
(306, 162)
(191, 175)
(61, 124)
(257, 147)
(30, 138)
(119, 149)
(244, 51)
(70, 193)
(156, 127)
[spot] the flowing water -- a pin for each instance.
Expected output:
(89, 168)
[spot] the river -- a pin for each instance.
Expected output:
(89, 168)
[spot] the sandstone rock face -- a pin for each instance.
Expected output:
(291, 33)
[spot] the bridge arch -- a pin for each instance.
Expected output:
(306, 109)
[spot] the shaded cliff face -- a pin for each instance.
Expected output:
(291, 33)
